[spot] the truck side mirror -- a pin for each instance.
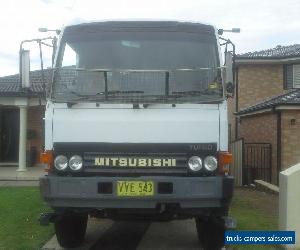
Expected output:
(229, 85)
(24, 68)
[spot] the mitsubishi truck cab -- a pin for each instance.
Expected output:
(136, 127)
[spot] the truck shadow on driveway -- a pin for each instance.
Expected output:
(140, 235)
(122, 235)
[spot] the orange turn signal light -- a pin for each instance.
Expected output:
(225, 158)
(47, 159)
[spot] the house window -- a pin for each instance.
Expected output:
(292, 76)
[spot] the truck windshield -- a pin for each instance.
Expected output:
(138, 66)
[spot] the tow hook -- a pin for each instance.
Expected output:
(46, 218)
(230, 223)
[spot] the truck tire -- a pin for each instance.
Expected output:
(70, 230)
(210, 232)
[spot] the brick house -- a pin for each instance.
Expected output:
(266, 106)
(21, 120)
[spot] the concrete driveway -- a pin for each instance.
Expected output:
(109, 235)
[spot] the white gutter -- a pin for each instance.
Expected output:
(267, 61)
(288, 107)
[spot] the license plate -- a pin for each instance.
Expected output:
(135, 188)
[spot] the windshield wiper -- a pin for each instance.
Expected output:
(189, 92)
(103, 94)
(114, 92)
(211, 101)
(76, 93)
(203, 93)
(176, 97)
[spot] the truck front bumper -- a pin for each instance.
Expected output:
(187, 192)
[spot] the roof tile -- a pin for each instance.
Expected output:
(10, 85)
(290, 98)
(278, 52)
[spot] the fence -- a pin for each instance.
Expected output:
(251, 161)
(237, 150)
(257, 162)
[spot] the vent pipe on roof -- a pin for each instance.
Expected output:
(24, 68)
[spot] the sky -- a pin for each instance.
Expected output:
(264, 24)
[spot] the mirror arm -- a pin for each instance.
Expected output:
(48, 45)
(40, 42)
(228, 41)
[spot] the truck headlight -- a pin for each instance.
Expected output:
(75, 162)
(210, 163)
(195, 163)
(61, 162)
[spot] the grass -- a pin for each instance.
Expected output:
(254, 211)
(21, 206)
(19, 211)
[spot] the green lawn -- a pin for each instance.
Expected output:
(19, 211)
(254, 211)
(21, 206)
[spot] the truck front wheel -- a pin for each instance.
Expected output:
(210, 232)
(70, 230)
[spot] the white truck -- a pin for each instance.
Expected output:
(136, 127)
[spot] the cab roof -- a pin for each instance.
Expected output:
(138, 25)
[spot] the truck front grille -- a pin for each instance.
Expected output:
(134, 159)
(120, 162)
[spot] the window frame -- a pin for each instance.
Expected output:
(289, 76)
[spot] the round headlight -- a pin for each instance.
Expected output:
(195, 163)
(75, 162)
(61, 162)
(210, 163)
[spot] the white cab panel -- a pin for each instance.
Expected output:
(121, 123)
(223, 127)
